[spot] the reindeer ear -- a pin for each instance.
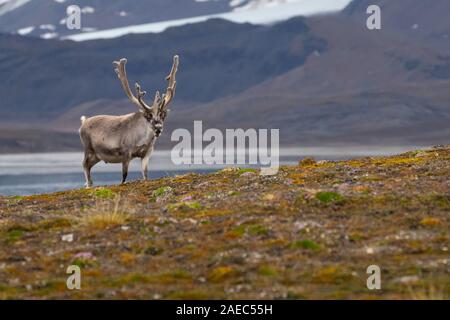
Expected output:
(148, 115)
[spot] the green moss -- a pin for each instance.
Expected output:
(137, 278)
(104, 193)
(244, 170)
(14, 234)
(185, 206)
(442, 200)
(267, 271)
(80, 262)
(154, 251)
(193, 205)
(238, 231)
(332, 275)
(305, 244)
(256, 230)
(251, 229)
(179, 274)
(15, 199)
(221, 273)
(54, 223)
(328, 196)
(161, 191)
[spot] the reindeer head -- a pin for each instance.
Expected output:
(157, 112)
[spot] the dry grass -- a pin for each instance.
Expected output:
(430, 292)
(106, 214)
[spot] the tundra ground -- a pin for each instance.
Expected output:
(309, 232)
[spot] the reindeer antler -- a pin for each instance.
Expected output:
(160, 105)
(122, 74)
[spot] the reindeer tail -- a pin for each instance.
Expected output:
(83, 119)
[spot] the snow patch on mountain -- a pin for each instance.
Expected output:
(49, 35)
(262, 12)
(25, 31)
(87, 10)
(9, 5)
(50, 27)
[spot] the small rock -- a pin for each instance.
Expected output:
(343, 187)
(307, 162)
(203, 184)
(84, 255)
(201, 279)
(370, 250)
(193, 221)
(247, 174)
(156, 229)
(173, 220)
(300, 225)
(67, 237)
(408, 279)
(125, 228)
(269, 197)
(421, 154)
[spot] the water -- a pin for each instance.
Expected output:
(26, 174)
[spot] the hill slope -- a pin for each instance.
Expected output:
(47, 18)
(420, 21)
(218, 58)
(312, 233)
(43, 17)
(321, 80)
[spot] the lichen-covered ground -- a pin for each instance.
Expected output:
(309, 232)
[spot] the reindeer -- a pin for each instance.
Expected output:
(119, 139)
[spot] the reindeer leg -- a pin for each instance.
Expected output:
(144, 166)
(125, 170)
(89, 161)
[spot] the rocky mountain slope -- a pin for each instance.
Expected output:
(324, 79)
(419, 21)
(223, 57)
(47, 18)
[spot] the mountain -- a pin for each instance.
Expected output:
(47, 18)
(218, 58)
(321, 80)
(426, 22)
(364, 88)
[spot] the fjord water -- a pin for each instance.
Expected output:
(26, 174)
